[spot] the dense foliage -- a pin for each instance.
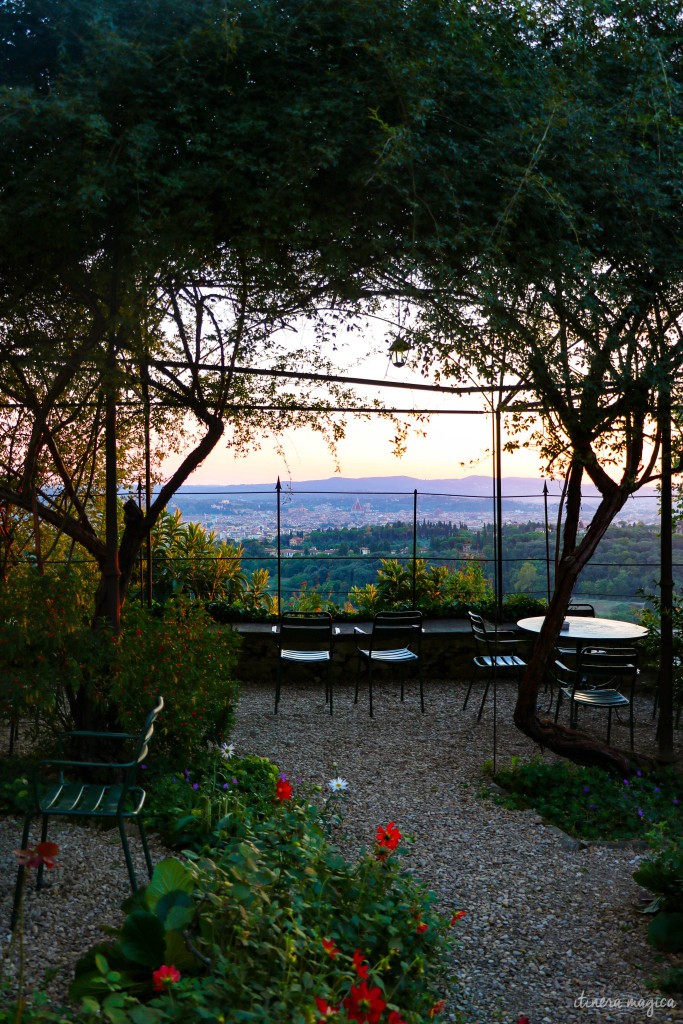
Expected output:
(593, 804)
(50, 659)
(264, 919)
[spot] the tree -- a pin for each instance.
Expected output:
(577, 307)
(180, 183)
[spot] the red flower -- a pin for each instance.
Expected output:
(164, 976)
(437, 1008)
(361, 967)
(396, 1018)
(44, 854)
(283, 789)
(364, 1004)
(325, 1008)
(457, 916)
(388, 837)
(330, 947)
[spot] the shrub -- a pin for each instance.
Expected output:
(46, 646)
(271, 925)
(591, 803)
(189, 661)
(193, 807)
(662, 874)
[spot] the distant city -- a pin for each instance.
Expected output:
(243, 512)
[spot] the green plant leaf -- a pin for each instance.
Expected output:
(177, 953)
(169, 876)
(142, 939)
(666, 932)
(175, 910)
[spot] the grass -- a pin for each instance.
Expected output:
(589, 803)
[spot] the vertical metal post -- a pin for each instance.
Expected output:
(415, 549)
(665, 738)
(547, 537)
(499, 516)
(112, 573)
(140, 554)
(278, 488)
(148, 484)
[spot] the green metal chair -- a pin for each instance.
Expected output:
(304, 638)
(495, 655)
(390, 642)
(598, 682)
(60, 788)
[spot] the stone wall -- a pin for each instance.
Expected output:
(447, 652)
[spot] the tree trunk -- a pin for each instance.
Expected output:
(569, 743)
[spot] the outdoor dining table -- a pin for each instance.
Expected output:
(581, 630)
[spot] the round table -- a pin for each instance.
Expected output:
(587, 629)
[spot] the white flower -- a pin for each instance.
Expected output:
(227, 750)
(338, 784)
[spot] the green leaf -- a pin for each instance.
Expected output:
(142, 939)
(177, 953)
(169, 875)
(666, 932)
(101, 963)
(175, 910)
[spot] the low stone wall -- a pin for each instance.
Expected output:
(447, 652)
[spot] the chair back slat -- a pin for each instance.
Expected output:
(585, 610)
(393, 630)
(305, 630)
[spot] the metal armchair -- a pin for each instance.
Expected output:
(63, 787)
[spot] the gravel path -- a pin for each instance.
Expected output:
(548, 921)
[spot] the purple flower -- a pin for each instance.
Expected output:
(195, 785)
(586, 789)
(675, 802)
(656, 789)
(639, 774)
(225, 785)
(626, 782)
(143, 767)
(591, 807)
(234, 781)
(186, 773)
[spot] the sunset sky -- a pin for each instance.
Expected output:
(454, 446)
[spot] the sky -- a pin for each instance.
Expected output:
(454, 446)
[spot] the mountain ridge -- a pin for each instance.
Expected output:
(474, 485)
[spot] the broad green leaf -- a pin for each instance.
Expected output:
(142, 939)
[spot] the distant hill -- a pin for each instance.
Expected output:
(467, 486)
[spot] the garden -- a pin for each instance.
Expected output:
(209, 210)
(312, 868)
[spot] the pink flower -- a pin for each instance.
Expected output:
(44, 854)
(164, 976)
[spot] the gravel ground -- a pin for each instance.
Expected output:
(549, 922)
